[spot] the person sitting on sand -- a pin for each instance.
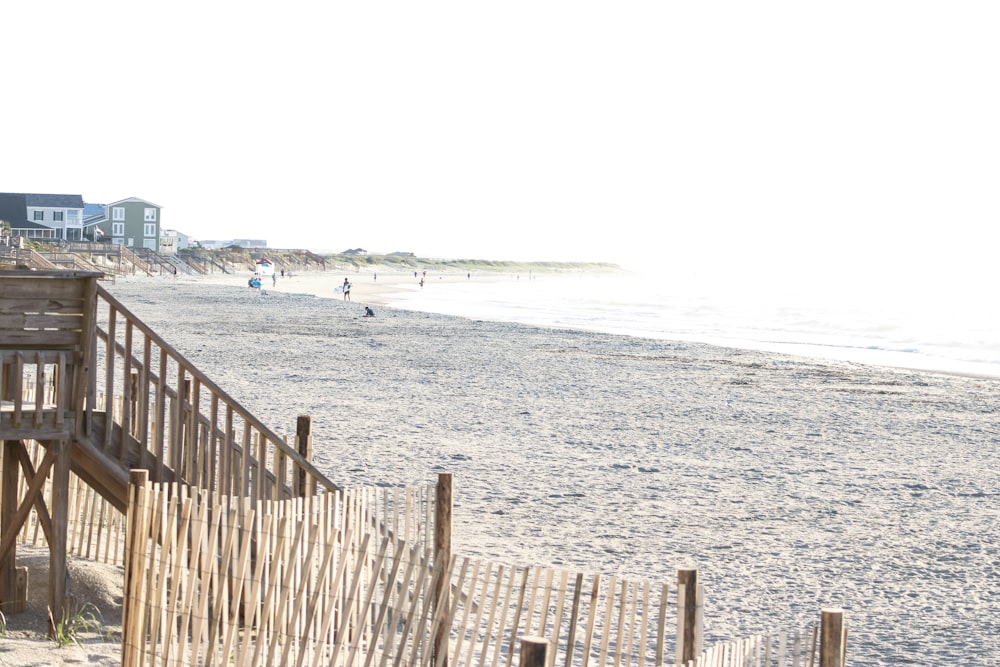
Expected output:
(369, 312)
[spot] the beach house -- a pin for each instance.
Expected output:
(172, 240)
(132, 222)
(43, 217)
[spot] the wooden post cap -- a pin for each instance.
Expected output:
(533, 651)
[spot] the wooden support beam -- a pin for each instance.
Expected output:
(84, 382)
(8, 506)
(29, 474)
(34, 488)
(20, 599)
(60, 525)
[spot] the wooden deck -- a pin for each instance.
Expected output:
(103, 394)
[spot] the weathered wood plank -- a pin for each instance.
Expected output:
(12, 322)
(36, 304)
(42, 338)
(30, 355)
(43, 290)
(47, 430)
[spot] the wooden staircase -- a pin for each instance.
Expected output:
(103, 394)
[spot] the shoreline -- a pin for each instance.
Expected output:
(377, 287)
(372, 288)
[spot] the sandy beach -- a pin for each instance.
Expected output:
(793, 484)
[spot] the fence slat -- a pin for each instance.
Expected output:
(320, 580)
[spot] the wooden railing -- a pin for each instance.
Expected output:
(71, 261)
(138, 262)
(162, 414)
(37, 394)
(35, 260)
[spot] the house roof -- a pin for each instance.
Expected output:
(54, 201)
(134, 199)
(28, 224)
(94, 214)
(13, 208)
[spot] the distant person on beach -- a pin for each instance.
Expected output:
(347, 290)
(421, 282)
(274, 279)
(282, 273)
(369, 312)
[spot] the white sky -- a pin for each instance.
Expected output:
(772, 136)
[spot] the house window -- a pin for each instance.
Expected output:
(118, 229)
(150, 215)
(57, 216)
(149, 229)
(118, 213)
(38, 215)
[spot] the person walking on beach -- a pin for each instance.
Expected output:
(347, 290)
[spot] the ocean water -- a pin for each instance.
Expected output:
(923, 327)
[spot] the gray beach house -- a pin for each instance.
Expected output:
(132, 222)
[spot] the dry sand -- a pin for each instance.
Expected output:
(96, 588)
(793, 484)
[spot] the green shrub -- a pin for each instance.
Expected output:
(74, 621)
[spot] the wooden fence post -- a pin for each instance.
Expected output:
(833, 638)
(133, 539)
(533, 651)
(305, 485)
(442, 555)
(689, 609)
